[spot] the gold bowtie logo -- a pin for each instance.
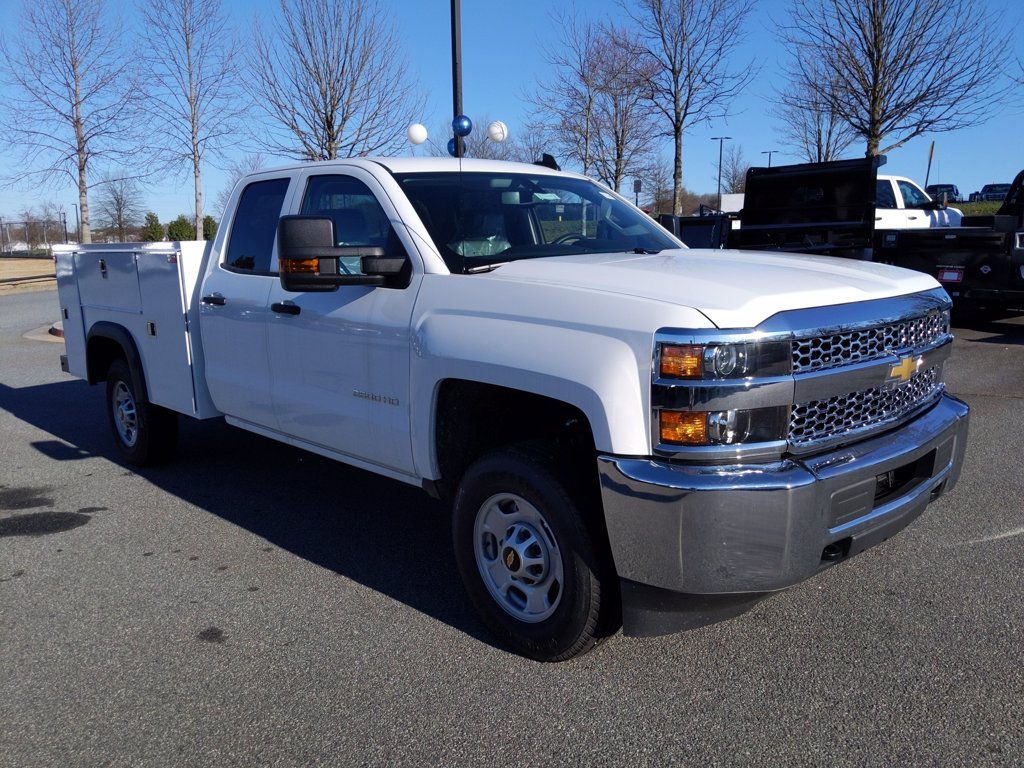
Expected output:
(906, 368)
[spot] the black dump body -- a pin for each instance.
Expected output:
(825, 208)
(829, 208)
(821, 208)
(980, 264)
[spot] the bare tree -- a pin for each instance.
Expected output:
(659, 189)
(119, 206)
(896, 69)
(690, 43)
(238, 169)
(194, 92)
(734, 170)
(566, 103)
(594, 106)
(533, 140)
(32, 231)
(623, 116)
(809, 122)
(331, 78)
(75, 93)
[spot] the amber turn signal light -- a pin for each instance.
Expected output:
(301, 266)
(682, 361)
(683, 427)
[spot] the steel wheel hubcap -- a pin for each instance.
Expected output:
(126, 417)
(518, 558)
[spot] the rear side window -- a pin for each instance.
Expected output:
(251, 240)
(884, 196)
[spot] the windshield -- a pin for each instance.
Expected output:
(478, 220)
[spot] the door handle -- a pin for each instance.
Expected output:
(216, 299)
(286, 308)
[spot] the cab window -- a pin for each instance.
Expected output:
(913, 197)
(251, 240)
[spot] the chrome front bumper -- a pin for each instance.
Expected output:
(717, 530)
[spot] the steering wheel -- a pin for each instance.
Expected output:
(568, 238)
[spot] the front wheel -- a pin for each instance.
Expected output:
(529, 554)
(145, 434)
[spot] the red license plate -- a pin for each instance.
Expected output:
(951, 275)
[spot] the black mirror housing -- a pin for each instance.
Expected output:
(308, 259)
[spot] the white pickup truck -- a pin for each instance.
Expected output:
(631, 432)
(902, 204)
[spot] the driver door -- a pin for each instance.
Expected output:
(340, 358)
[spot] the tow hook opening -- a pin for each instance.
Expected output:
(836, 551)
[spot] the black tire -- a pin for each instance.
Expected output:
(145, 434)
(532, 555)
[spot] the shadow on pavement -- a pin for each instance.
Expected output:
(989, 328)
(380, 533)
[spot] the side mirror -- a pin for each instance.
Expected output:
(309, 260)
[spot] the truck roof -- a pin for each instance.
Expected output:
(426, 165)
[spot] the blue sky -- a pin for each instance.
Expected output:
(502, 62)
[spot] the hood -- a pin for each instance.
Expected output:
(734, 289)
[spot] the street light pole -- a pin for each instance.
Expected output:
(721, 140)
(769, 152)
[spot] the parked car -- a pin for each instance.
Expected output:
(991, 193)
(947, 193)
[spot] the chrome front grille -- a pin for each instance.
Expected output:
(843, 414)
(817, 378)
(860, 345)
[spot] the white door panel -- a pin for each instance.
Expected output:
(341, 371)
(340, 359)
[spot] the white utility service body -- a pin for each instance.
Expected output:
(613, 414)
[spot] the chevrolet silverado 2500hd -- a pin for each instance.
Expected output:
(631, 432)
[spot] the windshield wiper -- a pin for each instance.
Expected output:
(485, 268)
(644, 250)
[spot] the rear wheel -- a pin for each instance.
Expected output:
(529, 554)
(145, 434)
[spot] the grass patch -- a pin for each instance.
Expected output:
(978, 209)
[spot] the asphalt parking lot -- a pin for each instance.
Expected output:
(250, 604)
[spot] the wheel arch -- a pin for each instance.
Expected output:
(107, 342)
(473, 418)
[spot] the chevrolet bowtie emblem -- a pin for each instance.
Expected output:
(907, 367)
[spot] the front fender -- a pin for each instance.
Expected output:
(599, 374)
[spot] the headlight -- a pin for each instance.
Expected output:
(706, 428)
(724, 361)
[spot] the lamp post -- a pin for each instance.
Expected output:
(769, 152)
(457, 70)
(721, 140)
